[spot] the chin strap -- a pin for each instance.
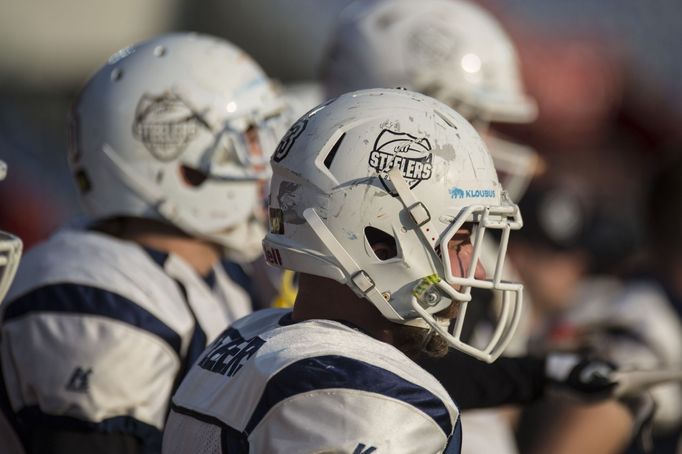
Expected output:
(420, 214)
(363, 284)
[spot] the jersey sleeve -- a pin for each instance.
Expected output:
(513, 380)
(83, 358)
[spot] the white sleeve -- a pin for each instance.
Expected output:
(87, 366)
(346, 421)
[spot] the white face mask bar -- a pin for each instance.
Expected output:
(10, 253)
(232, 157)
(506, 218)
(268, 132)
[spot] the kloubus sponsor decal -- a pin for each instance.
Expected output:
(459, 193)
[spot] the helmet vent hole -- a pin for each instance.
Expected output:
(159, 51)
(116, 74)
(192, 177)
(445, 119)
(382, 243)
(332, 153)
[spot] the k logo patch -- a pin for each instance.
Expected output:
(412, 155)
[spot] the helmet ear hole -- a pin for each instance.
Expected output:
(383, 245)
(192, 177)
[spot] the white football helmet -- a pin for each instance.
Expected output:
(10, 251)
(403, 166)
(452, 50)
(165, 130)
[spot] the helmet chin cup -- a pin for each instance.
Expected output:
(507, 323)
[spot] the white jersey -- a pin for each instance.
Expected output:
(269, 385)
(100, 330)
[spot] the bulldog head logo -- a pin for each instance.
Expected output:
(412, 155)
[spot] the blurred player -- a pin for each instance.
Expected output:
(380, 200)
(458, 53)
(640, 325)
(452, 50)
(169, 150)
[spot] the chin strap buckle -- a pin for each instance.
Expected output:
(362, 281)
(420, 216)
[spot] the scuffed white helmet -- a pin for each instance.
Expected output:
(403, 166)
(165, 130)
(452, 50)
(10, 251)
(449, 49)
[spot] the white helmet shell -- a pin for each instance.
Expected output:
(452, 50)
(399, 164)
(160, 132)
(10, 251)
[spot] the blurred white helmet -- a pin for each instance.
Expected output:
(452, 50)
(169, 129)
(403, 167)
(10, 251)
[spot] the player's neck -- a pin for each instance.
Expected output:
(200, 254)
(320, 298)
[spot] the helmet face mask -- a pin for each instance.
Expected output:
(409, 170)
(178, 129)
(10, 251)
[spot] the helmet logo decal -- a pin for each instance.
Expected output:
(425, 284)
(165, 125)
(272, 255)
(432, 46)
(276, 221)
(289, 138)
(412, 155)
(288, 197)
(459, 193)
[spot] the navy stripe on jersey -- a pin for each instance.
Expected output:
(333, 371)
(82, 299)
(240, 277)
(232, 440)
(197, 343)
(159, 257)
(455, 442)
(33, 418)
